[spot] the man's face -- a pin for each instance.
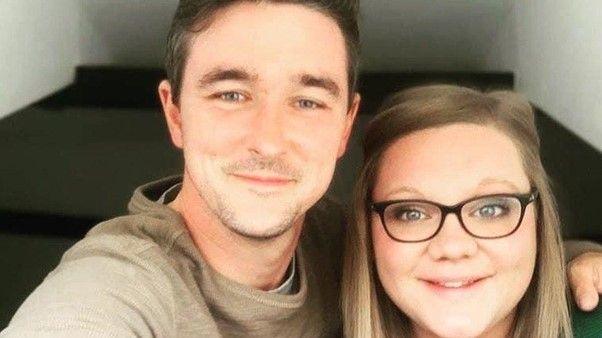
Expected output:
(263, 114)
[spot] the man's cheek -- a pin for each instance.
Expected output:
(209, 144)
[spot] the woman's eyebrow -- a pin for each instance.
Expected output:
(493, 180)
(405, 189)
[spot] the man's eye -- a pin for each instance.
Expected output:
(308, 104)
(231, 97)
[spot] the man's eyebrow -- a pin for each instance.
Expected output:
(225, 74)
(322, 82)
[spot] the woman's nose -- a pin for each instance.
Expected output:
(452, 242)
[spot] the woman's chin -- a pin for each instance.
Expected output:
(453, 328)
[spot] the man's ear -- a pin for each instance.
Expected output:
(350, 118)
(172, 113)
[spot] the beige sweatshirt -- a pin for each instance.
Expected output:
(141, 276)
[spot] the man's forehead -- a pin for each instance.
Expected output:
(292, 46)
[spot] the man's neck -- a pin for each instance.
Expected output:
(261, 264)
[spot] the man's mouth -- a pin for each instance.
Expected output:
(264, 179)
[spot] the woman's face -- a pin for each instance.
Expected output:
(454, 285)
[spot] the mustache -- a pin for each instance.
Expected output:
(275, 165)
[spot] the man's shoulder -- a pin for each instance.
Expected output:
(133, 247)
(122, 276)
(123, 251)
(131, 235)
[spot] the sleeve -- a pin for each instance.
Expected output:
(574, 248)
(587, 324)
(94, 293)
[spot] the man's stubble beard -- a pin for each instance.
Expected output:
(228, 217)
(226, 214)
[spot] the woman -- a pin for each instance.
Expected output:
(456, 232)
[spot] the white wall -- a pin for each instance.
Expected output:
(397, 35)
(559, 63)
(38, 50)
(432, 34)
(41, 42)
(124, 32)
(501, 52)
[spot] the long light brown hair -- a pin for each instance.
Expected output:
(367, 310)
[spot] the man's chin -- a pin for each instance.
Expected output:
(259, 219)
(260, 234)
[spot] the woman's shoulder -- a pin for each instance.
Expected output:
(587, 324)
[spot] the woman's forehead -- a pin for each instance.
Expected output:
(458, 158)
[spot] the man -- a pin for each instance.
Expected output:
(261, 99)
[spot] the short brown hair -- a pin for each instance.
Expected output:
(194, 16)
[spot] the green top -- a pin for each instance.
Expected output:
(587, 324)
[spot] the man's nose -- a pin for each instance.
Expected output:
(267, 131)
(452, 242)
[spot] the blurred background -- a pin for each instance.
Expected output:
(81, 126)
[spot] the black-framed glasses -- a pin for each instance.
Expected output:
(488, 216)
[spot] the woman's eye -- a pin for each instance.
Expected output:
(491, 211)
(411, 215)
